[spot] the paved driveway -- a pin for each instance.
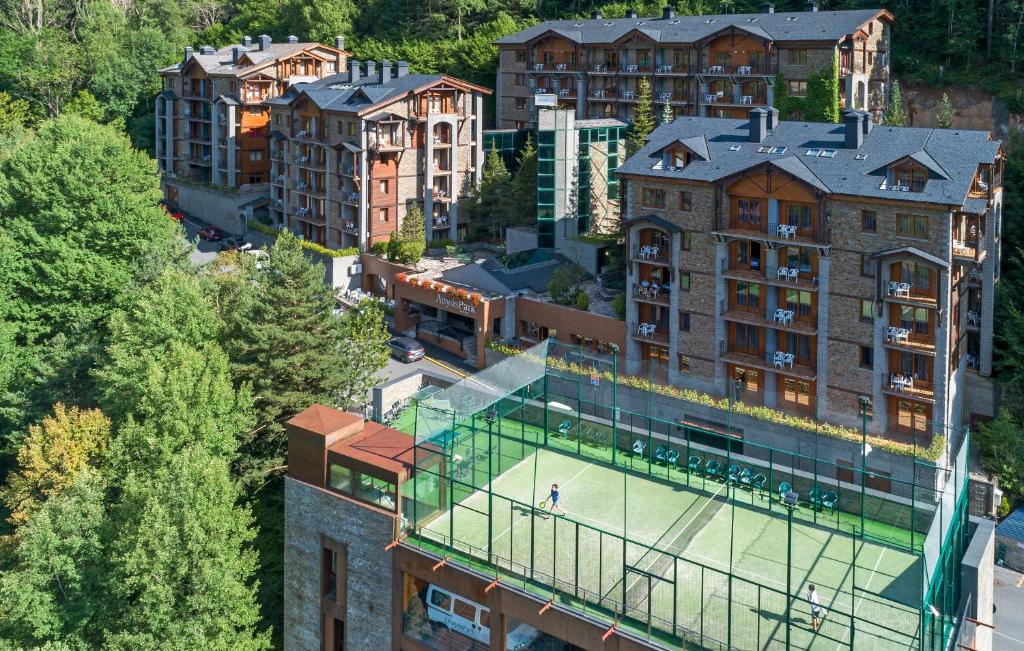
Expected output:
(1009, 618)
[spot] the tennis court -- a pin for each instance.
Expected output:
(661, 551)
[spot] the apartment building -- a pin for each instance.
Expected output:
(351, 152)
(709, 66)
(804, 266)
(212, 116)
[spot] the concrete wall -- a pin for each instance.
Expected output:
(585, 254)
(977, 582)
(310, 514)
(392, 391)
(569, 321)
(343, 272)
(520, 239)
(217, 207)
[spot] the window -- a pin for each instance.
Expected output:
(867, 357)
(912, 226)
(652, 198)
(684, 321)
(800, 215)
(520, 80)
(382, 186)
(747, 338)
(441, 599)
(748, 212)
(797, 57)
(340, 478)
(914, 319)
(686, 240)
(684, 364)
(868, 221)
(685, 201)
(871, 58)
(329, 572)
(867, 266)
(520, 56)
(383, 214)
(795, 257)
(465, 610)
(277, 119)
(353, 129)
(867, 310)
(918, 275)
(520, 103)
(684, 281)
(255, 155)
(799, 302)
(748, 295)
(797, 88)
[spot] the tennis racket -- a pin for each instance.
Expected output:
(543, 504)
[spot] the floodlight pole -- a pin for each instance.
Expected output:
(865, 404)
(789, 569)
(490, 493)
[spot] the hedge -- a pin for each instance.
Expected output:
(270, 231)
(767, 414)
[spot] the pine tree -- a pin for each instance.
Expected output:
(896, 114)
(643, 120)
(523, 188)
(666, 113)
(490, 205)
(412, 235)
(283, 339)
(944, 119)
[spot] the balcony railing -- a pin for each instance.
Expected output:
(651, 332)
(902, 384)
(440, 221)
(651, 253)
(350, 225)
(906, 292)
(651, 292)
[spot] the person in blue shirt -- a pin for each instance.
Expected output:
(552, 500)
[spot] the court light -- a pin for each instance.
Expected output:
(790, 499)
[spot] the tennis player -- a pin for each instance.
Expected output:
(552, 500)
(815, 602)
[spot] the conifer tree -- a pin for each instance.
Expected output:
(666, 113)
(643, 119)
(523, 188)
(896, 115)
(944, 119)
(412, 235)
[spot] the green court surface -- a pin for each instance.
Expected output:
(673, 568)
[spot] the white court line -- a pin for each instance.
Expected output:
(863, 590)
(681, 531)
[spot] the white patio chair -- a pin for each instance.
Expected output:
(794, 274)
(783, 273)
(789, 359)
(779, 360)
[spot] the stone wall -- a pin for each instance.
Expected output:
(220, 208)
(310, 514)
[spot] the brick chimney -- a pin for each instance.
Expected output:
(773, 117)
(385, 71)
(353, 71)
(667, 12)
(236, 52)
(402, 69)
(264, 42)
(293, 40)
(247, 41)
(631, 13)
(339, 42)
(371, 69)
(810, 5)
(596, 15)
(767, 8)
(758, 125)
(189, 52)
(207, 49)
(867, 123)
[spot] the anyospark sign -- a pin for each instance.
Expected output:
(455, 304)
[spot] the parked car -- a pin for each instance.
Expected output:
(211, 234)
(406, 349)
(176, 215)
(235, 244)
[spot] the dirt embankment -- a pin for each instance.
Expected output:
(973, 108)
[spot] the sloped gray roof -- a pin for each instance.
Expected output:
(784, 26)
(1013, 526)
(857, 172)
(220, 61)
(337, 93)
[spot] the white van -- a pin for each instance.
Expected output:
(471, 619)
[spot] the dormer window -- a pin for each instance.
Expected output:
(678, 158)
(909, 175)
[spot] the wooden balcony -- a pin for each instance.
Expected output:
(905, 294)
(766, 318)
(919, 390)
(766, 363)
(650, 254)
(649, 295)
(968, 251)
(914, 343)
(654, 336)
(771, 276)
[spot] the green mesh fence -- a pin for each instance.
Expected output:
(675, 532)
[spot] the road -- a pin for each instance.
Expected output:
(437, 362)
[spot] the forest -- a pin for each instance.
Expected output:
(125, 374)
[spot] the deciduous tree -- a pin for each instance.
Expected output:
(51, 457)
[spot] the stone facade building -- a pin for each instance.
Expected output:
(808, 266)
(715, 66)
(352, 152)
(212, 116)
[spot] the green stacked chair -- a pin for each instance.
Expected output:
(672, 457)
(712, 468)
(829, 501)
(693, 463)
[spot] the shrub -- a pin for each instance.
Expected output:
(619, 306)
(379, 248)
(583, 301)
(1004, 508)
